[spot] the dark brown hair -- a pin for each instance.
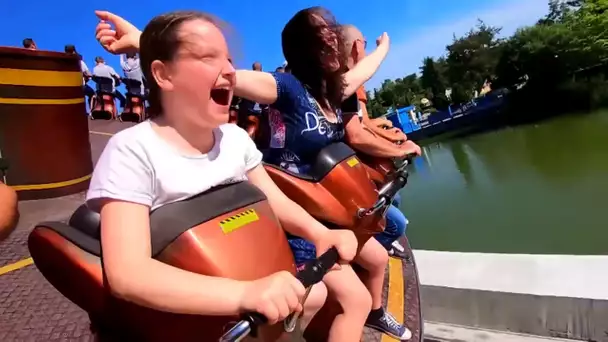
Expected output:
(160, 41)
(306, 45)
(69, 48)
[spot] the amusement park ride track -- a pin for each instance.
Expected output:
(32, 310)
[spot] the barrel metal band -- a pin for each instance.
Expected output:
(41, 101)
(40, 78)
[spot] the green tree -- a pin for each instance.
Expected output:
(565, 53)
(472, 59)
(433, 81)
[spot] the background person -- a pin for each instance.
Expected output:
(101, 69)
(29, 43)
(356, 45)
(132, 69)
(86, 74)
(362, 138)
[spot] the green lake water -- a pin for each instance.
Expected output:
(540, 188)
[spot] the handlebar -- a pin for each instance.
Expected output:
(313, 273)
(390, 189)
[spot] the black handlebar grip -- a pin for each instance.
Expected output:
(315, 270)
(255, 319)
(312, 273)
(410, 157)
(393, 187)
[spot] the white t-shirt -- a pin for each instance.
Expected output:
(139, 166)
(83, 68)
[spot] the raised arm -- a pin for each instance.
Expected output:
(297, 221)
(257, 86)
(123, 37)
(367, 67)
(123, 62)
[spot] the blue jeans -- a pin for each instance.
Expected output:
(396, 223)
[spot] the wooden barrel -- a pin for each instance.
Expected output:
(43, 126)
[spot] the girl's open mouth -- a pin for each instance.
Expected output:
(221, 96)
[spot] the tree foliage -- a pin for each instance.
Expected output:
(552, 54)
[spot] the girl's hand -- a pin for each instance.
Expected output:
(380, 122)
(409, 147)
(123, 38)
(399, 135)
(275, 296)
(383, 40)
(343, 239)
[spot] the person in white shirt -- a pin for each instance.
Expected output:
(101, 69)
(184, 149)
(86, 74)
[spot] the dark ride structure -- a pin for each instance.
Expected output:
(43, 125)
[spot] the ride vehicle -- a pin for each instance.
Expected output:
(135, 108)
(339, 192)
(103, 105)
(229, 218)
(341, 184)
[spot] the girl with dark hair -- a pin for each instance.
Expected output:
(305, 117)
(185, 149)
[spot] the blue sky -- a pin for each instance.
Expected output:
(417, 28)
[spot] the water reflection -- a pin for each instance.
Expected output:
(461, 158)
(520, 189)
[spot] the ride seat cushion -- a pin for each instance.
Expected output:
(168, 222)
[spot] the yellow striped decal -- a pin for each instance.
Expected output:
(50, 185)
(239, 220)
(41, 101)
(352, 161)
(40, 78)
(396, 293)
